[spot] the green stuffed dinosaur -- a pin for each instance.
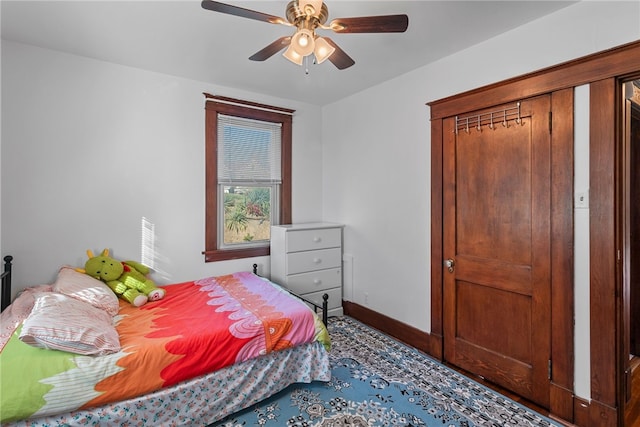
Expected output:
(126, 278)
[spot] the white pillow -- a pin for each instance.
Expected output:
(64, 323)
(85, 288)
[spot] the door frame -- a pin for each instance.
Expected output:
(628, 113)
(602, 71)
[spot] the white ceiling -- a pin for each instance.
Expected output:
(181, 38)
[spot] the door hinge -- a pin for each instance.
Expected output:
(549, 370)
(550, 121)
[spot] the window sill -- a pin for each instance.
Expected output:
(224, 255)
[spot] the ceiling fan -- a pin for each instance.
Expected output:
(307, 16)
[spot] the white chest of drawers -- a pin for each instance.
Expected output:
(307, 259)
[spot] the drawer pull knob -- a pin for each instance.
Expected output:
(317, 239)
(317, 260)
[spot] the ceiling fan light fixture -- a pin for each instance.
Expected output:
(303, 42)
(292, 55)
(323, 50)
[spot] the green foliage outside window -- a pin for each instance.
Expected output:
(246, 214)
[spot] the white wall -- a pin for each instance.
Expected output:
(89, 148)
(377, 147)
(581, 274)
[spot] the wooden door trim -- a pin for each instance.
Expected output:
(609, 64)
(613, 62)
(562, 224)
(437, 240)
(602, 232)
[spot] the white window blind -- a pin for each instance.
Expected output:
(248, 151)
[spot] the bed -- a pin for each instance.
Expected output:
(211, 347)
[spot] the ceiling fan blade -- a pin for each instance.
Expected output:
(271, 50)
(216, 6)
(339, 58)
(371, 24)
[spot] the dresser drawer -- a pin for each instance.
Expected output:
(335, 298)
(302, 262)
(314, 281)
(307, 240)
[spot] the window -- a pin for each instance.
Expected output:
(248, 176)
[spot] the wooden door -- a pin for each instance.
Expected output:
(496, 218)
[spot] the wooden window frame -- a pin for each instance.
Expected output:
(214, 106)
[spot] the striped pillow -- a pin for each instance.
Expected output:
(60, 322)
(85, 288)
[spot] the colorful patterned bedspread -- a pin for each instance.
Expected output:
(197, 328)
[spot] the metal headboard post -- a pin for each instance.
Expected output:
(6, 282)
(325, 300)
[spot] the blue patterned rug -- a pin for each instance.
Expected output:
(378, 381)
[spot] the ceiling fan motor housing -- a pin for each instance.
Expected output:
(300, 19)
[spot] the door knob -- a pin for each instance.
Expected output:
(450, 264)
